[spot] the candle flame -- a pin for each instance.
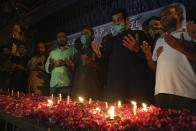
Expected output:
(134, 107)
(144, 107)
(50, 101)
(68, 97)
(90, 100)
(106, 104)
(111, 112)
(119, 104)
(80, 99)
(134, 103)
(98, 109)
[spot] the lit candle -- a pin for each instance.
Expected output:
(12, 93)
(111, 112)
(32, 94)
(60, 97)
(52, 96)
(144, 107)
(106, 105)
(68, 97)
(81, 99)
(97, 110)
(134, 107)
(90, 100)
(50, 102)
(58, 102)
(119, 104)
(18, 94)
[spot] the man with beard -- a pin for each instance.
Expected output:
(153, 29)
(128, 73)
(37, 82)
(59, 64)
(175, 77)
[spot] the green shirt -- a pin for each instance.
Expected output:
(60, 76)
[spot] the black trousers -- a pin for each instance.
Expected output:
(169, 101)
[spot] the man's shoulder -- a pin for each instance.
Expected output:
(70, 49)
(53, 51)
(185, 34)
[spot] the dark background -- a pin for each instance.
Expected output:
(42, 19)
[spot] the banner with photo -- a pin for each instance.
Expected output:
(135, 23)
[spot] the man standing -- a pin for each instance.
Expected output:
(87, 80)
(59, 64)
(19, 76)
(37, 82)
(127, 69)
(175, 76)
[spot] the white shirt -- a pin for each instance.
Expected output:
(174, 73)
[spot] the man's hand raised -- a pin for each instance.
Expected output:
(131, 43)
(96, 49)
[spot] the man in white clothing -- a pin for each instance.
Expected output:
(175, 77)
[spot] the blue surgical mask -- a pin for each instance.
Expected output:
(85, 39)
(120, 28)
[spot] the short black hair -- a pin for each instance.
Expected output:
(92, 32)
(145, 25)
(90, 29)
(120, 10)
(40, 42)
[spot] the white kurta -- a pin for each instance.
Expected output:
(174, 73)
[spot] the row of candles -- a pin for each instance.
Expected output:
(111, 111)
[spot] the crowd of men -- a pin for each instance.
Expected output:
(156, 64)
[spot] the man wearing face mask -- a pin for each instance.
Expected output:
(19, 82)
(87, 79)
(59, 64)
(127, 69)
